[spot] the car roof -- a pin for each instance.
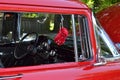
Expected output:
(110, 21)
(46, 3)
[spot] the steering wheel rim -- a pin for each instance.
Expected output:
(22, 47)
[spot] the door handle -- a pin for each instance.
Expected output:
(11, 76)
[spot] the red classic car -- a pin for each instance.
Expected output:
(54, 40)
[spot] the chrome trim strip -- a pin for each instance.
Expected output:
(74, 38)
(19, 25)
(11, 77)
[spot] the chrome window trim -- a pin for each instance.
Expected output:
(19, 25)
(87, 43)
(109, 43)
(88, 38)
(74, 38)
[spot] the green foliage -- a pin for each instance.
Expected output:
(102, 4)
(30, 15)
(98, 5)
(90, 3)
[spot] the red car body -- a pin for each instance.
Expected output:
(86, 70)
(109, 19)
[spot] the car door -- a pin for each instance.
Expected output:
(77, 69)
(60, 70)
(83, 69)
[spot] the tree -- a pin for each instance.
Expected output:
(98, 5)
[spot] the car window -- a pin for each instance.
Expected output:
(29, 39)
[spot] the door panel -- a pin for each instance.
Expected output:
(65, 71)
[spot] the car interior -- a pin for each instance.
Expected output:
(28, 39)
(34, 43)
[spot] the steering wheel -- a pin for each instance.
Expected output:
(23, 48)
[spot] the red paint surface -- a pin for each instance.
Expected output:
(110, 20)
(49, 3)
(66, 71)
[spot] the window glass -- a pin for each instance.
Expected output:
(29, 39)
(105, 51)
